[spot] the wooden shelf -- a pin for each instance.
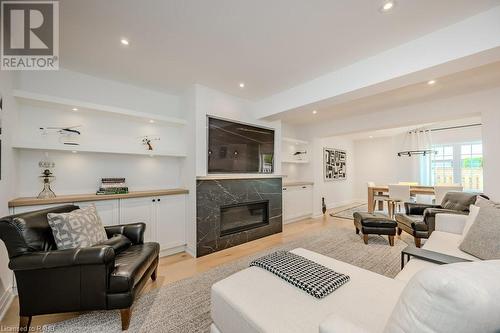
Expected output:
(33, 201)
(86, 149)
(295, 161)
(295, 141)
(70, 103)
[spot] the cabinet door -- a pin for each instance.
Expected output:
(139, 210)
(108, 210)
(171, 221)
(291, 203)
(306, 198)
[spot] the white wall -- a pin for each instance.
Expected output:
(8, 117)
(78, 86)
(491, 152)
(81, 173)
(376, 161)
(210, 102)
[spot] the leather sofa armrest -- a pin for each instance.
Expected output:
(133, 231)
(417, 208)
(95, 255)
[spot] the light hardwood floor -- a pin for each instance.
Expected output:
(182, 265)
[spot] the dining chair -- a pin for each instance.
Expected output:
(377, 198)
(398, 195)
(441, 190)
(408, 183)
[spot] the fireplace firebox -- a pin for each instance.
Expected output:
(243, 216)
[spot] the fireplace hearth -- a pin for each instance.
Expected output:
(230, 212)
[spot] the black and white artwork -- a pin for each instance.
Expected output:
(335, 164)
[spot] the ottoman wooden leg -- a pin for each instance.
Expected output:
(418, 242)
(365, 239)
(400, 231)
(391, 240)
(357, 231)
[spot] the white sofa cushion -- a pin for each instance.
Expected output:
(473, 212)
(459, 298)
(442, 242)
(255, 300)
(338, 324)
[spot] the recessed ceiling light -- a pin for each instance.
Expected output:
(371, 136)
(73, 151)
(124, 41)
(387, 6)
(74, 109)
(431, 82)
(242, 84)
(151, 121)
(314, 111)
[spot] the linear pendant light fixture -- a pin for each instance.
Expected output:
(419, 141)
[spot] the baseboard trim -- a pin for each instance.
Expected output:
(172, 250)
(5, 302)
(296, 219)
(190, 251)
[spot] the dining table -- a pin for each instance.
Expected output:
(384, 190)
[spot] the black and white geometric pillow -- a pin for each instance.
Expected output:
(315, 279)
(79, 228)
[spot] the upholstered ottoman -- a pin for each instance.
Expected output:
(374, 224)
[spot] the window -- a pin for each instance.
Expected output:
(442, 166)
(471, 165)
(460, 163)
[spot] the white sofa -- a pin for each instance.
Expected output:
(254, 300)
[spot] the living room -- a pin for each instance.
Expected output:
(163, 147)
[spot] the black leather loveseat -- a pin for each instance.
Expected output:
(419, 219)
(101, 277)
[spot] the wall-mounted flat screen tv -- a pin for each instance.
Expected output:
(239, 148)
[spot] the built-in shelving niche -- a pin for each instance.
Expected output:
(104, 129)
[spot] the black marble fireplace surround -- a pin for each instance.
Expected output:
(252, 208)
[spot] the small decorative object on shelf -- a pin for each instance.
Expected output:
(146, 141)
(112, 186)
(47, 192)
(300, 154)
(323, 205)
(67, 135)
(47, 177)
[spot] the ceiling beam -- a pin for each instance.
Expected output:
(442, 52)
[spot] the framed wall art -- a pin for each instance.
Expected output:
(334, 164)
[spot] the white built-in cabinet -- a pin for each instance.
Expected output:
(108, 210)
(139, 210)
(297, 202)
(164, 216)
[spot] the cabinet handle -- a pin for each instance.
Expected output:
(158, 200)
(304, 186)
(284, 188)
(154, 200)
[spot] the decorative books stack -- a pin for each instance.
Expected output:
(113, 186)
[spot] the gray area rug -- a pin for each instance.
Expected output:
(184, 306)
(347, 213)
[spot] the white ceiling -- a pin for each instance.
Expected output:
(469, 81)
(271, 45)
